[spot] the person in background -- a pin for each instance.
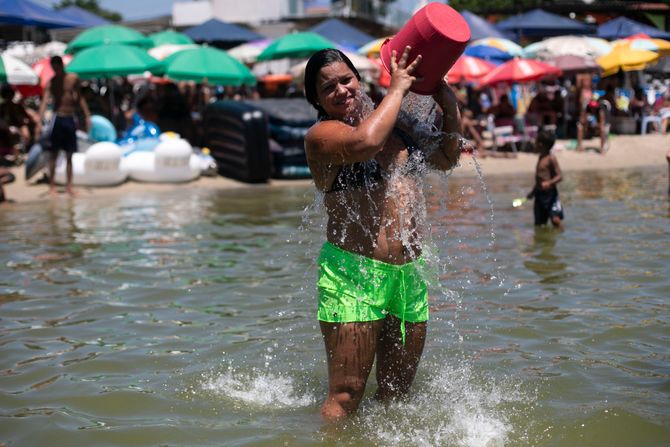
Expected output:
(547, 175)
(373, 300)
(5, 178)
(64, 90)
(504, 110)
(18, 120)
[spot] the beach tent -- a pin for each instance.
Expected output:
(215, 30)
(87, 19)
(540, 23)
(623, 27)
(25, 12)
(480, 28)
(341, 33)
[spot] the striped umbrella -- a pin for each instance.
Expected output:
(16, 72)
(505, 45)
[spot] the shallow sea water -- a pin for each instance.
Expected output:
(189, 320)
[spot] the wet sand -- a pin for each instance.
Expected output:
(626, 151)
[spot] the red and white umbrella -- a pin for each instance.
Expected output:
(468, 68)
(519, 70)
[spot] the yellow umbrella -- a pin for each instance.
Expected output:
(625, 58)
(373, 47)
(659, 46)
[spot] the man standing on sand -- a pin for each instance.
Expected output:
(64, 90)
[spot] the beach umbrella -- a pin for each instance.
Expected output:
(43, 68)
(519, 70)
(539, 23)
(468, 68)
(341, 33)
(27, 13)
(215, 30)
(373, 47)
(641, 41)
(206, 64)
(621, 27)
(570, 64)
(107, 34)
(85, 18)
(505, 45)
(169, 37)
(479, 27)
(490, 54)
(162, 52)
(589, 47)
(295, 45)
(622, 57)
(106, 61)
(248, 52)
(16, 72)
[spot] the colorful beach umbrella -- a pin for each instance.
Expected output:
(207, 64)
(162, 52)
(468, 68)
(505, 45)
(105, 61)
(248, 52)
(108, 34)
(570, 64)
(490, 54)
(519, 70)
(589, 47)
(622, 57)
(16, 72)
(642, 41)
(295, 45)
(169, 37)
(373, 47)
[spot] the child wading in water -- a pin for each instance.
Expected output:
(547, 175)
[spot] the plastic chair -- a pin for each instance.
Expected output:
(503, 134)
(649, 119)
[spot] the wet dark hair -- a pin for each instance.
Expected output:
(315, 63)
(546, 138)
(56, 61)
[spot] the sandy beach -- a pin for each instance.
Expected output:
(626, 151)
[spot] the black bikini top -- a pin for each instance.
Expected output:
(369, 173)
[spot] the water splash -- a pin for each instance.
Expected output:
(452, 407)
(258, 389)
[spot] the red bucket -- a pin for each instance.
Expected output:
(439, 34)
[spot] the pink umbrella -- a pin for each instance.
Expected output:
(468, 68)
(574, 64)
(519, 70)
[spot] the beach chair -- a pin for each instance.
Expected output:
(503, 133)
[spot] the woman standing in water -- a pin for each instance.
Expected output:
(372, 297)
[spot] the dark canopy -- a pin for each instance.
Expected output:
(87, 19)
(25, 12)
(623, 27)
(342, 34)
(215, 30)
(480, 28)
(539, 23)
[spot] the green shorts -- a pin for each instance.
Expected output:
(355, 288)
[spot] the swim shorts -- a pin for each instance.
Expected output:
(354, 288)
(64, 135)
(547, 205)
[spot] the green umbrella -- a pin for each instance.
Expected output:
(105, 61)
(170, 37)
(205, 64)
(295, 45)
(107, 34)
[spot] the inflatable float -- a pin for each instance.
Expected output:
(100, 165)
(171, 160)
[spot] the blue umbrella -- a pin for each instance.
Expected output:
(487, 53)
(217, 31)
(25, 12)
(87, 19)
(341, 33)
(623, 27)
(539, 23)
(480, 28)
